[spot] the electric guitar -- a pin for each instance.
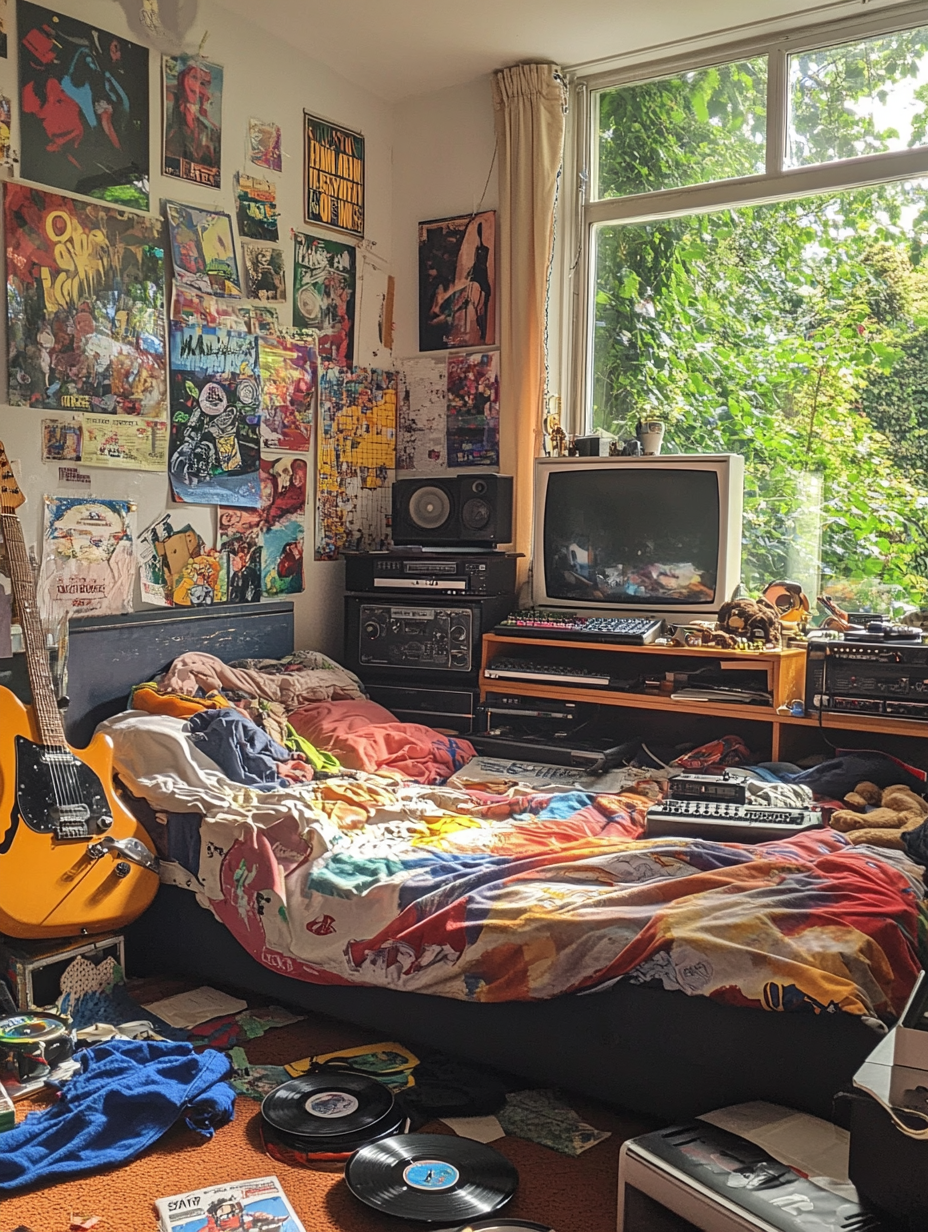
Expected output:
(73, 859)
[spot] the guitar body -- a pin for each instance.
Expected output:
(73, 859)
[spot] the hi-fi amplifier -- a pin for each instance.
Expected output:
(452, 573)
(884, 678)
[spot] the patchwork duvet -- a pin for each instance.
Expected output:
(364, 880)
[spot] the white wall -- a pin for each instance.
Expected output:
(268, 78)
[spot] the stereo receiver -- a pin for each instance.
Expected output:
(483, 573)
(882, 678)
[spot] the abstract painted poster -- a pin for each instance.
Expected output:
(203, 250)
(88, 559)
(356, 459)
(215, 416)
(422, 414)
(83, 108)
(192, 104)
(288, 390)
(256, 208)
(265, 273)
(85, 305)
(62, 439)
(177, 568)
(333, 174)
(457, 282)
(324, 294)
(264, 146)
(4, 29)
(265, 546)
(473, 409)
(125, 443)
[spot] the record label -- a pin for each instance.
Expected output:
(331, 1104)
(431, 1174)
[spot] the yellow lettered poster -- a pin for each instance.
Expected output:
(126, 442)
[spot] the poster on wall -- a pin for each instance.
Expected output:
(256, 208)
(333, 175)
(324, 278)
(422, 413)
(88, 559)
(215, 415)
(177, 568)
(265, 546)
(83, 108)
(85, 335)
(356, 459)
(203, 250)
(265, 273)
(473, 409)
(288, 389)
(125, 443)
(62, 439)
(457, 282)
(264, 145)
(4, 29)
(192, 113)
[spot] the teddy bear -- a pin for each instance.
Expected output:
(754, 619)
(894, 810)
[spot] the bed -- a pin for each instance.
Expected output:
(640, 1046)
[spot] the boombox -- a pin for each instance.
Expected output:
(453, 510)
(887, 678)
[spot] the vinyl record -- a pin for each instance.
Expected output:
(303, 1152)
(431, 1178)
(501, 1224)
(327, 1106)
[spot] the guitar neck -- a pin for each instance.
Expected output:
(44, 702)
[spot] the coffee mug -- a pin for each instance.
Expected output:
(651, 434)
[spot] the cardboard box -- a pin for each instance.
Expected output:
(33, 969)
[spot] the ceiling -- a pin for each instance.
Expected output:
(397, 48)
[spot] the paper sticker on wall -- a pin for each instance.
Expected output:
(256, 208)
(265, 547)
(93, 342)
(125, 443)
(356, 459)
(473, 409)
(62, 439)
(422, 413)
(265, 276)
(324, 294)
(203, 250)
(288, 389)
(88, 562)
(215, 415)
(264, 145)
(192, 105)
(83, 107)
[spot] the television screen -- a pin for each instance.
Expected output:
(632, 535)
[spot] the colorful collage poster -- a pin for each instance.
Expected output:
(256, 208)
(333, 170)
(422, 415)
(62, 439)
(473, 409)
(264, 146)
(265, 546)
(265, 273)
(4, 29)
(356, 459)
(83, 108)
(203, 250)
(89, 340)
(457, 282)
(324, 294)
(176, 568)
(288, 387)
(88, 558)
(215, 416)
(192, 104)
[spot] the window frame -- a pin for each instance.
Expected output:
(776, 183)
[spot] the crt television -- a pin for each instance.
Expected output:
(657, 535)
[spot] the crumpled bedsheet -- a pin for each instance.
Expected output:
(314, 678)
(528, 897)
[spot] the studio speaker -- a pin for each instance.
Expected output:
(453, 510)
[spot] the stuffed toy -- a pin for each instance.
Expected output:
(754, 619)
(893, 811)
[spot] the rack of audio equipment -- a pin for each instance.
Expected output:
(770, 730)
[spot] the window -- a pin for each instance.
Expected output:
(757, 250)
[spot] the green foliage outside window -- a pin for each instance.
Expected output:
(794, 333)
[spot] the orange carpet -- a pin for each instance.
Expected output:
(571, 1195)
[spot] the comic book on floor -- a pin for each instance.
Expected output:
(260, 1206)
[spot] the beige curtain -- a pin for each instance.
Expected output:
(531, 104)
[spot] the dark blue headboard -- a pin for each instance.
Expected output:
(110, 654)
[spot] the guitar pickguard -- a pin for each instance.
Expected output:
(57, 794)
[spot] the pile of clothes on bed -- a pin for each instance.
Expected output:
(323, 833)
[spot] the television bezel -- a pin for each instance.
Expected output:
(729, 467)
